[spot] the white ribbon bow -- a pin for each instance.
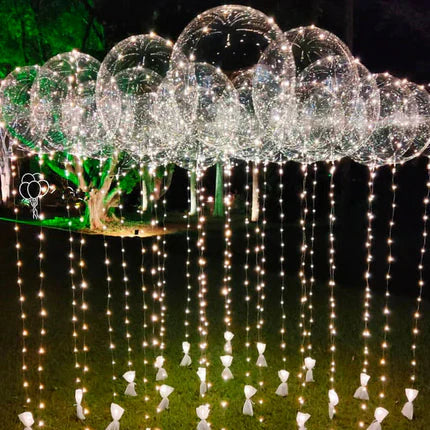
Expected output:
(131, 387)
(249, 391)
(27, 419)
(228, 336)
(116, 412)
(79, 394)
(301, 419)
(203, 413)
(361, 392)
(309, 364)
(408, 407)
(380, 414)
(261, 361)
(226, 361)
(186, 360)
(165, 391)
(333, 401)
(161, 373)
(201, 372)
(282, 389)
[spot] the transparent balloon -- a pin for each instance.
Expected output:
(126, 91)
(15, 106)
(62, 102)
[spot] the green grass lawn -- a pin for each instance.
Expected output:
(277, 413)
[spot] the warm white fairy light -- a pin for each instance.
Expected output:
(163, 308)
(19, 282)
(109, 313)
(126, 291)
(412, 392)
(203, 326)
(246, 268)
(417, 313)
(332, 298)
(84, 308)
(74, 300)
(282, 261)
(144, 289)
(361, 393)
(43, 314)
(311, 262)
(386, 309)
(302, 272)
(226, 285)
(187, 264)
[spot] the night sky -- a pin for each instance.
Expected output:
(387, 35)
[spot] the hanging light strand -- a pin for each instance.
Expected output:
(246, 268)
(43, 315)
(143, 287)
(226, 287)
(332, 283)
(369, 259)
(282, 260)
(417, 313)
(19, 282)
(188, 261)
(163, 263)
(202, 279)
(386, 309)
(302, 269)
(311, 261)
(126, 289)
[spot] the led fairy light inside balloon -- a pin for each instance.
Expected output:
(412, 392)
(386, 309)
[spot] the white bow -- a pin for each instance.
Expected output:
(203, 413)
(380, 414)
(165, 391)
(186, 360)
(131, 387)
(161, 373)
(261, 361)
(116, 412)
(282, 389)
(201, 372)
(226, 362)
(27, 419)
(228, 336)
(79, 394)
(408, 407)
(309, 364)
(301, 419)
(249, 391)
(361, 392)
(333, 401)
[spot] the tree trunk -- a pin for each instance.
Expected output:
(219, 194)
(144, 196)
(193, 193)
(5, 170)
(96, 210)
(255, 208)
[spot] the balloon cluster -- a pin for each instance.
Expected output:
(234, 85)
